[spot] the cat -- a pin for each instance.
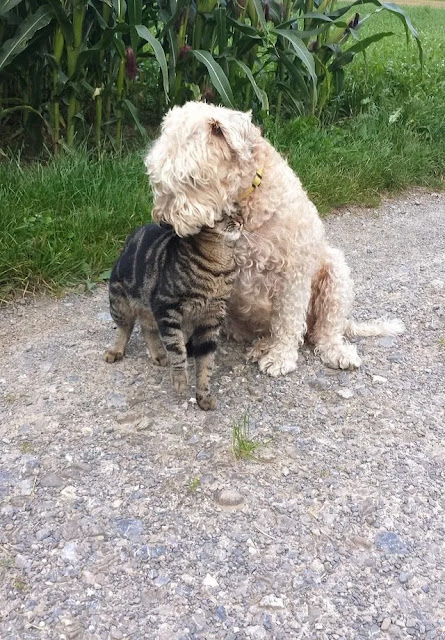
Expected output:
(178, 288)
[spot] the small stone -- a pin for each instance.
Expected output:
(116, 400)
(116, 634)
(379, 380)
(229, 498)
(387, 341)
(21, 562)
(129, 528)
(319, 383)
(210, 581)
(403, 577)
(272, 602)
(390, 542)
(161, 581)
(52, 480)
(285, 471)
(26, 487)
(144, 424)
(317, 566)
(221, 613)
(345, 393)
(42, 534)
(385, 624)
(69, 493)
(69, 552)
(255, 631)
(411, 623)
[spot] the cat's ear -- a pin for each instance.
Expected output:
(235, 128)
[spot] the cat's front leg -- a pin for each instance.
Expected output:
(172, 337)
(204, 343)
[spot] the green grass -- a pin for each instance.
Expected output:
(63, 223)
(243, 445)
(387, 130)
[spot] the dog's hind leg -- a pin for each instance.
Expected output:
(331, 302)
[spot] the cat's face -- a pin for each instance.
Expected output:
(230, 227)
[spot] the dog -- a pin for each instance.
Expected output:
(291, 284)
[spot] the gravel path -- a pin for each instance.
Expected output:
(125, 515)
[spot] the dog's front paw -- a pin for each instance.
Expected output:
(259, 349)
(278, 362)
(342, 356)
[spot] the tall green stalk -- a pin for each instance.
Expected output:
(57, 51)
(73, 54)
(119, 96)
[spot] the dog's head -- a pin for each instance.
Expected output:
(198, 164)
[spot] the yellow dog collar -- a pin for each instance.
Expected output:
(256, 183)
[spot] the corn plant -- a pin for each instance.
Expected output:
(264, 53)
(75, 70)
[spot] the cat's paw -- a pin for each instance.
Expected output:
(206, 401)
(160, 359)
(179, 381)
(111, 355)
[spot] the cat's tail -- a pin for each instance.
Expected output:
(379, 327)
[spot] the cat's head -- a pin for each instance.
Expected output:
(230, 227)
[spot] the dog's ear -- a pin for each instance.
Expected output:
(236, 129)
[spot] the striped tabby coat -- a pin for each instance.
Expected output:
(178, 288)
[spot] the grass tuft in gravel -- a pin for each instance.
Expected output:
(243, 445)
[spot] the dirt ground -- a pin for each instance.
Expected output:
(125, 515)
(434, 4)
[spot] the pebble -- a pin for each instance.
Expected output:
(210, 581)
(161, 581)
(69, 552)
(345, 393)
(129, 528)
(403, 577)
(229, 498)
(272, 601)
(116, 400)
(221, 613)
(390, 542)
(385, 624)
(379, 380)
(26, 486)
(52, 480)
(42, 534)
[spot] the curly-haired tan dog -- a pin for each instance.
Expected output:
(291, 283)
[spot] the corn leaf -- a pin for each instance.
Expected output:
(134, 114)
(11, 48)
(260, 93)
(347, 55)
(302, 53)
(7, 5)
(145, 34)
(260, 13)
(217, 77)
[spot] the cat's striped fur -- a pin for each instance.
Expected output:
(178, 288)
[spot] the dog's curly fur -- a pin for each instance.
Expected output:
(291, 283)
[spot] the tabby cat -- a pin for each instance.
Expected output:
(178, 288)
